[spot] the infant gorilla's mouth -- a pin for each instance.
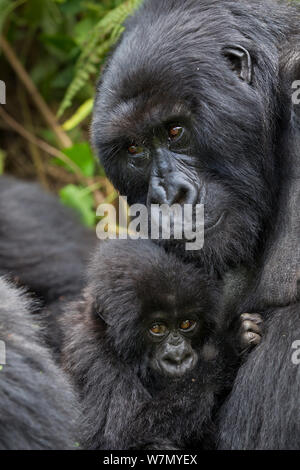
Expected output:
(172, 368)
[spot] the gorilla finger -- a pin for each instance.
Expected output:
(250, 326)
(254, 317)
(250, 339)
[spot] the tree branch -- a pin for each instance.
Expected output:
(41, 144)
(63, 139)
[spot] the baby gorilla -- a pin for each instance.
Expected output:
(150, 350)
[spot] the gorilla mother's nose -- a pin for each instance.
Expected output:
(173, 189)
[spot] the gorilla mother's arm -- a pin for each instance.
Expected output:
(266, 393)
(269, 381)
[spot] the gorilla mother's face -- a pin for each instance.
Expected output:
(178, 119)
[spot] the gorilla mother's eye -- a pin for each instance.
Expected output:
(175, 133)
(135, 150)
(187, 325)
(158, 329)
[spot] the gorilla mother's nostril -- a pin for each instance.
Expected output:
(182, 192)
(181, 196)
(171, 190)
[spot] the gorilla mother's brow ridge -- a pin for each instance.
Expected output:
(137, 118)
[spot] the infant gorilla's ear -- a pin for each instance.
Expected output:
(93, 307)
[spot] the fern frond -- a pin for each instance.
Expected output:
(6, 7)
(82, 112)
(104, 34)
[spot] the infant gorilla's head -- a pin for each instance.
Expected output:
(158, 313)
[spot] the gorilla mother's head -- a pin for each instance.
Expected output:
(192, 109)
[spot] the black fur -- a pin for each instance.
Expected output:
(41, 242)
(263, 410)
(37, 406)
(42, 247)
(171, 63)
(243, 147)
(125, 404)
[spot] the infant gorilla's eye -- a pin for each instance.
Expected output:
(175, 132)
(135, 150)
(158, 329)
(187, 325)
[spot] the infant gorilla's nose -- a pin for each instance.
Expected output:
(177, 361)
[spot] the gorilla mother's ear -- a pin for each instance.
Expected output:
(240, 62)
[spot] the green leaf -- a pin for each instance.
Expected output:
(82, 112)
(82, 29)
(63, 78)
(83, 202)
(61, 46)
(82, 156)
(2, 160)
(100, 39)
(72, 7)
(6, 7)
(43, 14)
(43, 70)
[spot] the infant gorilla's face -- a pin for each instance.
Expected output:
(170, 337)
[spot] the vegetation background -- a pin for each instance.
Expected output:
(51, 53)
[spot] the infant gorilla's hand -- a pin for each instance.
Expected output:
(250, 331)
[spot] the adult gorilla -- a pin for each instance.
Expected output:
(44, 248)
(38, 408)
(195, 106)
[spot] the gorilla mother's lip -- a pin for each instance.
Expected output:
(209, 228)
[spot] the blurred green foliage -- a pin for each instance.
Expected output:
(62, 45)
